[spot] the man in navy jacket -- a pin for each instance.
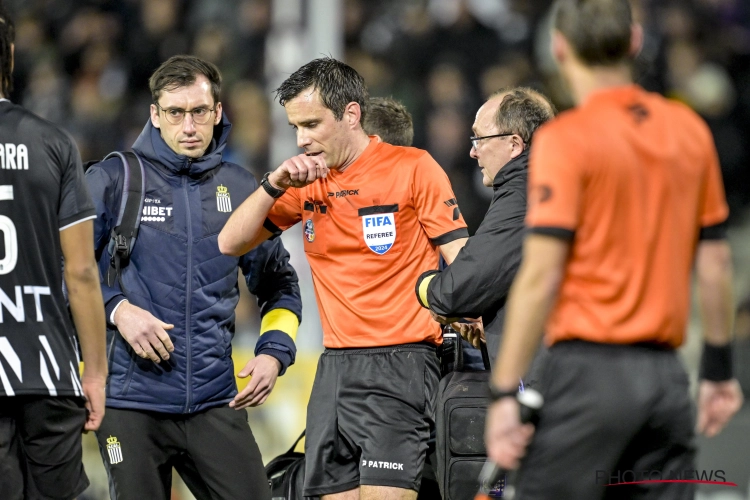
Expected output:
(171, 395)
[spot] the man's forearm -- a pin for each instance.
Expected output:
(244, 229)
(451, 249)
(715, 297)
(87, 308)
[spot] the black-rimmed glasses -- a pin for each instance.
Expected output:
(475, 140)
(201, 115)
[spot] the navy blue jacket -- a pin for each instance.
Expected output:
(177, 272)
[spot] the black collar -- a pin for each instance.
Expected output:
(512, 169)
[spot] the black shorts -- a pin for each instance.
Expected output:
(612, 414)
(369, 418)
(40, 447)
(213, 451)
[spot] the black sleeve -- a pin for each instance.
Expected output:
(271, 278)
(557, 232)
(75, 200)
(715, 232)
(479, 278)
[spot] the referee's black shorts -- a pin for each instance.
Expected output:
(40, 447)
(369, 418)
(612, 414)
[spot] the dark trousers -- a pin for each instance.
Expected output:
(214, 452)
(612, 414)
(40, 447)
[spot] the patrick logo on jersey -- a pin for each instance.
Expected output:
(379, 231)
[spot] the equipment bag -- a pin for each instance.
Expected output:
(286, 474)
(463, 398)
(123, 235)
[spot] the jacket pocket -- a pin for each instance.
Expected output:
(121, 363)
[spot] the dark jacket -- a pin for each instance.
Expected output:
(177, 272)
(478, 281)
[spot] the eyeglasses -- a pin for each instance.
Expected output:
(475, 140)
(201, 115)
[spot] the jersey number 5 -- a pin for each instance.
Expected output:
(10, 239)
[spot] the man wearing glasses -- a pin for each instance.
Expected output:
(477, 283)
(172, 395)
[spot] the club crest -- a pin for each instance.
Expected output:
(223, 202)
(309, 231)
(114, 450)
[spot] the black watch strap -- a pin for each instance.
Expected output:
(496, 394)
(272, 191)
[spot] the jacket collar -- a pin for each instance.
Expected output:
(152, 147)
(512, 169)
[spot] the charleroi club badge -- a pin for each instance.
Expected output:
(223, 203)
(114, 450)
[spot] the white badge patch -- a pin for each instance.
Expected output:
(223, 202)
(114, 450)
(379, 231)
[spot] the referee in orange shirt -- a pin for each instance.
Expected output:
(374, 218)
(625, 199)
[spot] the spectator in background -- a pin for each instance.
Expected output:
(619, 215)
(45, 219)
(477, 283)
(389, 120)
(172, 396)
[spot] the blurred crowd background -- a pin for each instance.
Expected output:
(84, 64)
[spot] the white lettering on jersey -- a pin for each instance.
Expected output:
(15, 309)
(37, 291)
(14, 157)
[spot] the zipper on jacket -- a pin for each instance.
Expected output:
(188, 297)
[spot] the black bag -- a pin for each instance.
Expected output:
(123, 235)
(463, 398)
(286, 474)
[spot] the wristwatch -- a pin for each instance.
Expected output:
(496, 394)
(272, 191)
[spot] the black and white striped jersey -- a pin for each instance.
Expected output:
(42, 192)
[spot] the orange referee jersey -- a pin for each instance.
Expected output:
(633, 178)
(369, 232)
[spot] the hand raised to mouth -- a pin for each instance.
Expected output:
(299, 171)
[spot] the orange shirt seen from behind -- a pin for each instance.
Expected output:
(633, 178)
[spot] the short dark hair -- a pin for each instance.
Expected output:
(599, 31)
(182, 71)
(337, 83)
(522, 111)
(7, 36)
(389, 119)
